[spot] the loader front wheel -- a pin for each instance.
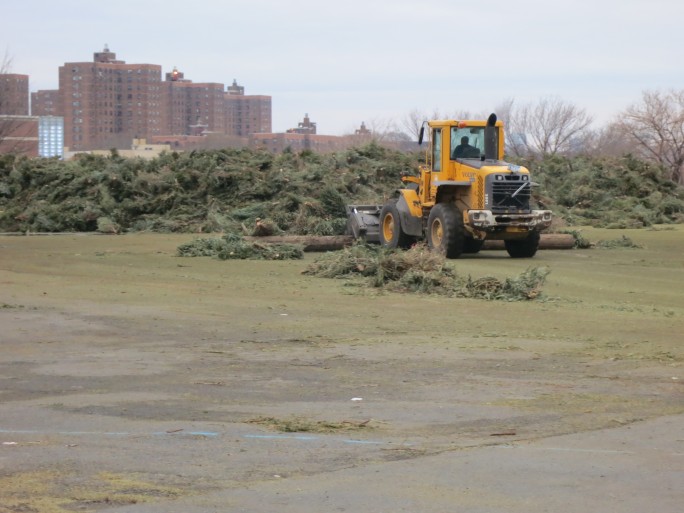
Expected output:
(472, 246)
(445, 232)
(523, 248)
(391, 234)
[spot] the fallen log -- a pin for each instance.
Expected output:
(314, 243)
(546, 241)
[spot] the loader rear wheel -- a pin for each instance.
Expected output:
(391, 234)
(445, 231)
(523, 248)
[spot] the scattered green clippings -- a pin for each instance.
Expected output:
(580, 241)
(622, 242)
(234, 247)
(302, 425)
(7, 305)
(106, 225)
(422, 271)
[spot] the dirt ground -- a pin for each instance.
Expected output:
(131, 377)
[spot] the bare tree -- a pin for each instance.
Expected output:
(516, 139)
(5, 67)
(412, 122)
(379, 128)
(549, 127)
(656, 129)
(504, 110)
(463, 114)
(608, 140)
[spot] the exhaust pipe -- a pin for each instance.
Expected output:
(491, 146)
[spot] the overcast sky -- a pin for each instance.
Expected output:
(344, 62)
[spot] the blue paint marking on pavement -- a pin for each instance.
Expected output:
(180, 432)
(308, 438)
(283, 437)
(66, 433)
(186, 433)
(106, 433)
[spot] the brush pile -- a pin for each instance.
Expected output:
(199, 191)
(292, 193)
(422, 271)
(608, 192)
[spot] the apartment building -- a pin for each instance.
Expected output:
(46, 102)
(246, 114)
(14, 94)
(106, 103)
(194, 109)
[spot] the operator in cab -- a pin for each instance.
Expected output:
(465, 150)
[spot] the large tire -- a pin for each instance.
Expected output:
(523, 248)
(391, 234)
(445, 232)
(472, 246)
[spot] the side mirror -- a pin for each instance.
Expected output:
(421, 134)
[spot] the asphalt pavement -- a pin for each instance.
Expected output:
(635, 468)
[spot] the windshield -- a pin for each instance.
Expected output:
(467, 143)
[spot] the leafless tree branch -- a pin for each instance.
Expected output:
(655, 129)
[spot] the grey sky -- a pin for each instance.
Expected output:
(373, 61)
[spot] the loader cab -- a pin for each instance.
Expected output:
(474, 140)
(455, 142)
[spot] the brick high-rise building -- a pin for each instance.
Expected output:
(194, 109)
(14, 95)
(46, 102)
(246, 114)
(107, 103)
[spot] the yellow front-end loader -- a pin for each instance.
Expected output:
(463, 195)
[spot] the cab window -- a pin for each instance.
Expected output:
(467, 142)
(437, 149)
